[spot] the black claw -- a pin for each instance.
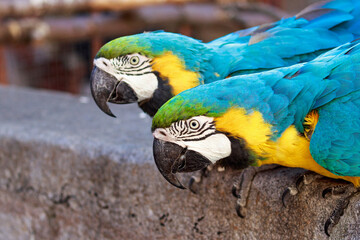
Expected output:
(285, 193)
(191, 184)
(234, 192)
(299, 181)
(238, 211)
(203, 174)
(326, 227)
(326, 191)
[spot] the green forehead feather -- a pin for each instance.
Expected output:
(125, 45)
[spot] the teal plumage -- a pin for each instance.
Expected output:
(335, 144)
(284, 96)
(315, 30)
(289, 41)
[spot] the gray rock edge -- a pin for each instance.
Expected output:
(69, 172)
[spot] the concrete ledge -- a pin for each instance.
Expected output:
(67, 171)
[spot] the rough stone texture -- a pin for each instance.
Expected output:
(68, 171)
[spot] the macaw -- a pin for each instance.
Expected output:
(152, 67)
(304, 116)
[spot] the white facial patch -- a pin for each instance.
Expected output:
(214, 147)
(144, 86)
(135, 70)
(197, 134)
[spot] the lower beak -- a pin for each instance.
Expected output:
(106, 88)
(171, 158)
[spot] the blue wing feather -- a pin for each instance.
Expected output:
(318, 28)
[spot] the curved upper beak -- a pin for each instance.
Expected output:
(106, 88)
(102, 85)
(171, 158)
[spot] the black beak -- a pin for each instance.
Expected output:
(171, 158)
(106, 88)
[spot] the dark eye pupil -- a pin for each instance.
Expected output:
(134, 60)
(193, 124)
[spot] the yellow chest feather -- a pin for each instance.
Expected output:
(172, 68)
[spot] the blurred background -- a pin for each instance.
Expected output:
(50, 44)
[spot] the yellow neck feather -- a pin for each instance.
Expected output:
(250, 127)
(290, 150)
(171, 67)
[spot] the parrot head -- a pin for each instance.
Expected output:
(191, 132)
(147, 68)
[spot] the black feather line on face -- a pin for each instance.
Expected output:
(160, 96)
(241, 157)
(138, 68)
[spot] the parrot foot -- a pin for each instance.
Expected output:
(349, 190)
(339, 190)
(242, 185)
(304, 179)
(196, 179)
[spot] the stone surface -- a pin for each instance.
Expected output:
(68, 171)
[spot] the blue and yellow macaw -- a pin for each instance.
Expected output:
(150, 68)
(306, 115)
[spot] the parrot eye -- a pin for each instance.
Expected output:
(194, 124)
(134, 60)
